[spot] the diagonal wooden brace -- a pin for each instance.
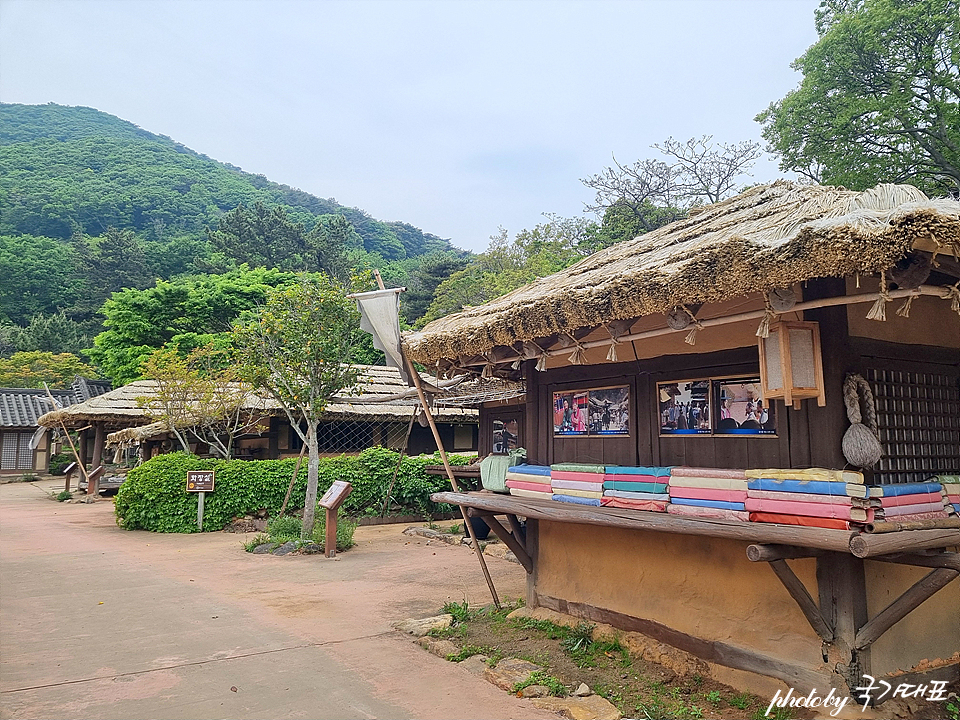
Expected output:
(802, 597)
(903, 605)
(510, 541)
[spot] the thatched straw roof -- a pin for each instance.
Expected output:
(770, 236)
(121, 408)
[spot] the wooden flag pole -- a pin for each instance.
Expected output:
(453, 481)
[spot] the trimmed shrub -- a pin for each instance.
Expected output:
(154, 496)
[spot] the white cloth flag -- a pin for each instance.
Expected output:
(380, 316)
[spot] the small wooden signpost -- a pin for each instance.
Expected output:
(331, 501)
(200, 481)
(68, 472)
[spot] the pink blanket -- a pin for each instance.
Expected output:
(810, 497)
(707, 472)
(626, 503)
(895, 500)
(532, 487)
(708, 494)
(897, 510)
(708, 512)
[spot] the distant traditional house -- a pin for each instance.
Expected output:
(20, 409)
(350, 424)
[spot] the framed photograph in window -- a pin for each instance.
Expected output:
(597, 411)
(685, 407)
(741, 408)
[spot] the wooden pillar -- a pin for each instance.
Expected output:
(533, 550)
(93, 486)
(843, 604)
(274, 439)
(531, 422)
(84, 448)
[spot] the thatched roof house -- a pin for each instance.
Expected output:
(771, 236)
(715, 349)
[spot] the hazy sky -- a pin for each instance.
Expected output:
(458, 117)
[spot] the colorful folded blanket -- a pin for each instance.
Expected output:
(576, 500)
(695, 472)
(531, 486)
(636, 478)
(811, 509)
(530, 469)
(531, 494)
(768, 517)
(577, 485)
(814, 497)
(576, 476)
(659, 497)
(708, 512)
(708, 494)
(579, 493)
(629, 470)
(523, 477)
(708, 503)
(821, 474)
(896, 500)
(628, 504)
(653, 487)
(716, 483)
(817, 487)
(909, 489)
(897, 510)
(579, 467)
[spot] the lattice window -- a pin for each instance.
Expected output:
(919, 420)
(16, 452)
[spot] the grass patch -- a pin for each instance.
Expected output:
(288, 528)
(541, 677)
(256, 541)
(64, 495)
(467, 651)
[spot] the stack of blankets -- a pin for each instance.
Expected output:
(636, 488)
(814, 497)
(708, 493)
(532, 481)
(577, 483)
(951, 491)
(911, 502)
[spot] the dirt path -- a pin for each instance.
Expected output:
(99, 622)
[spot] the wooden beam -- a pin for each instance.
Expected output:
(903, 605)
(949, 560)
(770, 552)
(867, 545)
(799, 677)
(841, 584)
(510, 541)
(802, 597)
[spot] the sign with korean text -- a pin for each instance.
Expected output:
(335, 496)
(199, 480)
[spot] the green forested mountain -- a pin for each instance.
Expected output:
(68, 170)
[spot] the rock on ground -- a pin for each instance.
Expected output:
(535, 691)
(509, 672)
(419, 628)
(587, 708)
(475, 664)
(583, 690)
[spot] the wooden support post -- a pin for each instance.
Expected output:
(330, 537)
(200, 498)
(517, 529)
(533, 550)
(843, 604)
(93, 483)
(800, 594)
(771, 552)
(902, 606)
(415, 376)
(510, 541)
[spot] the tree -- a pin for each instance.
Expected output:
(297, 349)
(108, 264)
(54, 333)
(33, 369)
(180, 311)
(432, 270)
(325, 247)
(200, 395)
(879, 100)
(648, 194)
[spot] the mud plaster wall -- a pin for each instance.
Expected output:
(707, 588)
(931, 631)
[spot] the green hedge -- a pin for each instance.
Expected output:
(154, 495)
